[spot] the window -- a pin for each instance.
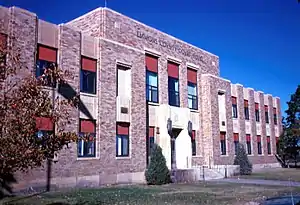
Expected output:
(192, 89)
(267, 113)
(151, 139)
(46, 59)
(193, 138)
(223, 143)
(257, 112)
(275, 115)
(277, 145)
(246, 109)
(248, 143)
(173, 84)
(88, 74)
(268, 145)
(236, 142)
(44, 126)
(259, 147)
(234, 107)
(151, 79)
(87, 141)
(122, 140)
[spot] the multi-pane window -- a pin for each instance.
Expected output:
(46, 59)
(275, 115)
(193, 139)
(192, 89)
(256, 112)
(44, 126)
(259, 146)
(246, 109)
(268, 144)
(223, 143)
(151, 139)
(88, 75)
(267, 113)
(151, 79)
(234, 107)
(236, 142)
(248, 143)
(173, 84)
(87, 141)
(122, 139)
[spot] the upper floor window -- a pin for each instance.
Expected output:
(275, 115)
(234, 107)
(151, 79)
(236, 142)
(173, 84)
(44, 126)
(223, 143)
(192, 89)
(88, 74)
(257, 112)
(122, 139)
(46, 59)
(87, 141)
(193, 140)
(267, 113)
(246, 109)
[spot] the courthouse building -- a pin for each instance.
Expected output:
(140, 86)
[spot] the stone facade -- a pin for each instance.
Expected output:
(114, 39)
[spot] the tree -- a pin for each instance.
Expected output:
(290, 137)
(241, 159)
(24, 104)
(157, 172)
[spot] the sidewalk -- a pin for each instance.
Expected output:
(258, 181)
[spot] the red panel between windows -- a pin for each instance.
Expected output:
(3, 41)
(248, 138)
(268, 139)
(277, 139)
(222, 135)
(88, 64)
(151, 63)
(47, 54)
(44, 123)
(258, 138)
(87, 126)
(246, 104)
(256, 106)
(193, 135)
(192, 75)
(173, 70)
(236, 137)
(123, 128)
(151, 131)
(233, 100)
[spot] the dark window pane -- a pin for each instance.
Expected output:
(122, 145)
(234, 111)
(236, 145)
(257, 115)
(249, 148)
(173, 88)
(267, 117)
(259, 151)
(87, 146)
(41, 65)
(151, 87)
(193, 147)
(88, 81)
(223, 147)
(246, 113)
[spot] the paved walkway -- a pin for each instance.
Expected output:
(259, 181)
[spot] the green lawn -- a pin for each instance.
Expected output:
(283, 174)
(175, 194)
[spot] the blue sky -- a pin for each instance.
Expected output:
(258, 41)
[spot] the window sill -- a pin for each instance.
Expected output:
(197, 156)
(226, 155)
(88, 94)
(87, 158)
(193, 110)
(125, 158)
(153, 103)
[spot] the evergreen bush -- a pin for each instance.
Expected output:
(241, 159)
(157, 172)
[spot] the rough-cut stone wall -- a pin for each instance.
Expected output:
(241, 115)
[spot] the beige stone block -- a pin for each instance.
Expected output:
(47, 34)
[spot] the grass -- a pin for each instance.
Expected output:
(175, 194)
(283, 174)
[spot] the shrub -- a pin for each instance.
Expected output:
(157, 172)
(241, 159)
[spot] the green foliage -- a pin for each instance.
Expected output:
(241, 159)
(157, 172)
